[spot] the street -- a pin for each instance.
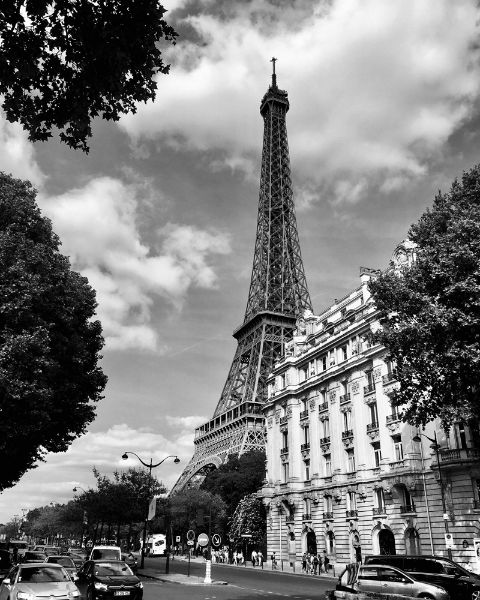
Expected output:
(243, 583)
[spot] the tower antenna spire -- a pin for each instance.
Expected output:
(274, 76)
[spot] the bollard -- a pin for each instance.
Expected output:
(208, 572)
(282, 564)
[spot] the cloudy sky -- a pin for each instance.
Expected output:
(161, 215)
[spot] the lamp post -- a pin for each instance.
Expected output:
(75, 489)
(435, 446)
(150, 466)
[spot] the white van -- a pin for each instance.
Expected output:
(105, 553)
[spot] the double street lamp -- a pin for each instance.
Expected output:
(150, 466)
(436, 447)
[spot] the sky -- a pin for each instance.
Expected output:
(160, 216)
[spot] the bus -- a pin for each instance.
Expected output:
(156, 545)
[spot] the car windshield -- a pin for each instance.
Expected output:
(107, 569)
(65, 561)
(40, 556)
(42, 574)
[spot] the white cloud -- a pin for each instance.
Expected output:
(190, 422)
(17, 155)
(97, 224)
(387, 82)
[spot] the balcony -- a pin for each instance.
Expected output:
(388, 378)
(396, 465)
(306, 517)
(324, 440)
(283, 420)
(304, 414)
(305, 447)
(323, 406)
(393, 418)
(345, 398)
(369, 389)
(351, 475)
(372, 426)
(450, 458)
(377, 511)
(328, 516)
(352, 514)
(347, 434)
(407, 508)
(284, 450)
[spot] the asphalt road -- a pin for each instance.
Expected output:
(243, 583)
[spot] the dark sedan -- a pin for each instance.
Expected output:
(32, 556)
(109, 580)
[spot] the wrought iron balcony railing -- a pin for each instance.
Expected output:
(305, 446)
(306, 517)
(388, 378)
(346, 434)
(344, 398)
(379, 510)
(325, 440)
(351, 514)
(323, 406)
(407, 508)
(372, 426)
(393, 417)
(304, 414)
(284, 450)
(369, 389)
(327, 515)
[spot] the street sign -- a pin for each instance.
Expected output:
(246, 535)
(449, 541)
(216, 539)
(202, 539)
(190, 543)
(190, 535)
(177, 539)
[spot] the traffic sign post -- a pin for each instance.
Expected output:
(202, 541)
(216, 540)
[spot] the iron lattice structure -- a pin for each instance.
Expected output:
(278, 295)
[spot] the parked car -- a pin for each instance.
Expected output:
(385, 580)
(38, 580)
(47, 549)
(32, 556)
(108, 579)
(459, 583)
(67, 563)
(5, 563)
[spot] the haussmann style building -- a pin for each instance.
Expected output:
(345, 476)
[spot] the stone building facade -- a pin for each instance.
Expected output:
(345, 477)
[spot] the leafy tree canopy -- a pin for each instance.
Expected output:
(49, 345)
(430, 312)
(64, 62)
(237, 477)
(249, 518)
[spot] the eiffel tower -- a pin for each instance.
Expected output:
(278, 295)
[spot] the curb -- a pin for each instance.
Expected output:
(164, 580)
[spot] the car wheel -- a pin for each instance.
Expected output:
(476, 595)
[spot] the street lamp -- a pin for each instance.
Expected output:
(82, 535)
(150, 466)
(435, 446)
(77, 487)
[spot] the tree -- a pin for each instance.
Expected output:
(236, 478)
(49, 344)
(430, 312)
(64, 62)
(249, 518)
(193, 508)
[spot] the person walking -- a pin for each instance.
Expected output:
(326, 561)
(274, 561)
(254, 558)
(315, 564)
(304, 562)
(260, 558)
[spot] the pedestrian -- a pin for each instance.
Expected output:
(304, 562)
(260, 559)
(315, 564)
(254, 558)
(326, 561)
(274, 561)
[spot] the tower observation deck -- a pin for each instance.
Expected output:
(278, 294)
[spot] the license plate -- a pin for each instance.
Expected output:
(121, 593)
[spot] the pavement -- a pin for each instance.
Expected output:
(155, 573)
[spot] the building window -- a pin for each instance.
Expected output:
(352, 501)
(285, 472)
(344, 353)
(373, 413)
(307, 469)
(327, 463)
(380, 500)
(328, 504)
(285, 440)
(302, 373)
(350, 460)
(326, 428)
(347, 420)
(307, 506)
(397, 447)
(377, 453)
(460, 435)
(306, 434)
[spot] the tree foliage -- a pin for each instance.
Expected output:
(430, 312)
(249, 518)
(192, 509)
(238, 477)
(64, 62)
(49, 344)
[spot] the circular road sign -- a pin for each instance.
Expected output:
(190, 543)
(216, 539)
(202, 539)
(190, 535)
